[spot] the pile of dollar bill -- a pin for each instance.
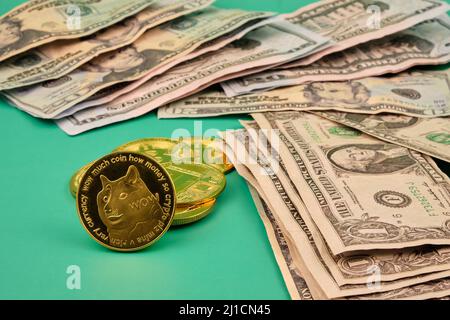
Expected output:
(92, 64)
(88, 56)
(349, 216)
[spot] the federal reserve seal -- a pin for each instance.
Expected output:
(344, 131)
(392, 199)
(440, 137)
(126, 201)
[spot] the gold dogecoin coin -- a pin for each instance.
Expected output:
(192, 213)
(194, 183)
(126, 201)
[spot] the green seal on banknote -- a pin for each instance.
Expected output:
(440, 137)
(344, 131)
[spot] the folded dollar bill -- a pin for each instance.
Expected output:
(424, 44)
(362, 193)
(268, 45)
(39, 22)
(349, 22)
(303, 287)
(157, 47)
(308, 249)
(58, 58)
(427, 135)
(415, 93)
(111, 93)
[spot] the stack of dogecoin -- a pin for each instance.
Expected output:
(195, 166)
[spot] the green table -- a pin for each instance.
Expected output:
(225, 256)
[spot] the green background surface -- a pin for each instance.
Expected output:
(225, 256)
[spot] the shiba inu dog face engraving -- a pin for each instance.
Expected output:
(126, 204)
